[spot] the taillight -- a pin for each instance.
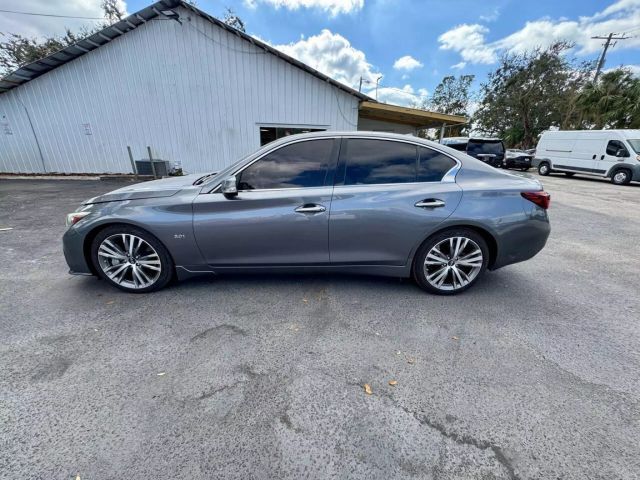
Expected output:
(541, 198)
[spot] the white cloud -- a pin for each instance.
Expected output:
(459, 66)
(635, 69)
(405, 96)
(35, 26)
(334, 7)
(491, 17)
(621, 16)
(469, 41)
(407, 63)
(333, 55)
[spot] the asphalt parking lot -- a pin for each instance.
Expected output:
(532, 374)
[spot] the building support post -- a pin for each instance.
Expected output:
(442, 131)
(153, 165)
(133, 164)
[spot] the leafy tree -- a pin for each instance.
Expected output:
(529, 92)
(612, 102)
(451, 96)
(17, 50)
(233, 20)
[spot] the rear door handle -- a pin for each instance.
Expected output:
(430, 203)
(601, 157)
(593, 158)
(310, 208)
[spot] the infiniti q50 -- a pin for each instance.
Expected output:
(361, 202)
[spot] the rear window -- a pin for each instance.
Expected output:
(379, 161)
(433, 165)
(475, 147)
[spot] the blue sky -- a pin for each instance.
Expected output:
(411, 43)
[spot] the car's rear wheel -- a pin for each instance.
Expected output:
(544, 169)
(621, 177)
(131, 259)
(450, 262)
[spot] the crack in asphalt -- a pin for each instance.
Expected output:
(498, 453)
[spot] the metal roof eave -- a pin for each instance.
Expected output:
(409, 116)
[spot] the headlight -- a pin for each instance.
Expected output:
(75, 217)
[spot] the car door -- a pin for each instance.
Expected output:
(389, 196)
(609, 158)
(279, 216)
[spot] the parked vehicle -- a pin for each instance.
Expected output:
(362, 202)
(488, 150)
(613, 154)
(520, 159)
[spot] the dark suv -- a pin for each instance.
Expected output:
(490, 150)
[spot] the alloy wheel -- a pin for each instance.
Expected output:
(453, 263)
(129, 261)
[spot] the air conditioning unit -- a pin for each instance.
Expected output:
(161, 166)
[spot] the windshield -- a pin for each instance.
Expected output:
(635, 144)
(476, 147)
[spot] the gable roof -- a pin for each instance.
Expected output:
(33, 70)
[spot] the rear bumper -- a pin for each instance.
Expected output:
(524, 241)
(519, 162)
(73, 249)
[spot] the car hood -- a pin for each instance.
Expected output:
(153, 189)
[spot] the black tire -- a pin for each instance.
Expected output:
(544, 169)
(569, 174)
(621, 176)
(163, 258)
(419, 268)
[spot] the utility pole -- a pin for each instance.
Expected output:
(360, 87)
(607, 43)
(377, 82)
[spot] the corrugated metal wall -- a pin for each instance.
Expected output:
(194, 92)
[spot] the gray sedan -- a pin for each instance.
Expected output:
(361, 202)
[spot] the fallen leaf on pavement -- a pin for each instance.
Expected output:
(110, 302)
(161, 374)
(454, 338)
(77, 477)
(367, 389)
(393, 383)
(411, 360)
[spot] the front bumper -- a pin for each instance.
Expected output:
(73, 249)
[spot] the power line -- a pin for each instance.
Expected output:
(51, 15)
(607, 43)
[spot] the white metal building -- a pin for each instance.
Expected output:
(198, 92)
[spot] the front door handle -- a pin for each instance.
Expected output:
(430, 203)
(601, 157)
(594, 157)
(310, 208)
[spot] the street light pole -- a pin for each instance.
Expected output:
(377, 81)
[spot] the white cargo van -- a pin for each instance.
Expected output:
(613, 154)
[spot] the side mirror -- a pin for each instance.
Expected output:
(229, 187)
(622, 153)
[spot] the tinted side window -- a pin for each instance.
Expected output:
(433, 165)
(302, 164)
(379, 161)
(614, 145)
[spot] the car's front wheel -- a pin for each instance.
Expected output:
(621, 177)
(451, 261)
(131, 259)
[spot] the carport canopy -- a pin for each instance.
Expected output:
(408, 116)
